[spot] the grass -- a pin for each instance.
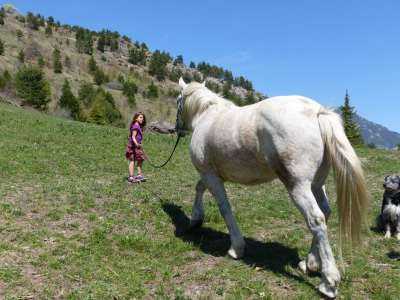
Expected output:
(72, 228)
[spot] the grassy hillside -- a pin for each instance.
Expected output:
(72, 228)
(18, 35)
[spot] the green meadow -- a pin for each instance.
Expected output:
(72, 228)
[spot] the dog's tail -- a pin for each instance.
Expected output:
(351, 192)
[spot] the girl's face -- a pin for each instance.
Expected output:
(139, 119)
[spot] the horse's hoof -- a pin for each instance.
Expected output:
(302, 267)
(235, 254)
(194, 224)
(327, 291)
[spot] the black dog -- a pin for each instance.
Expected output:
(389, 219)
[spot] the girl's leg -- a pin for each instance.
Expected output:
(139, 167)
(130, 168)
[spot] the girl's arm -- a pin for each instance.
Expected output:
(134, 132)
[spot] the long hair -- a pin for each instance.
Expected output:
(135, 117)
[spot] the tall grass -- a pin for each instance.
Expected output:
(72, 228)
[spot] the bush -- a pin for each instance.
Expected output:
(32, 87)
(1, 21)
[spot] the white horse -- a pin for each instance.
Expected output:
(292, 138)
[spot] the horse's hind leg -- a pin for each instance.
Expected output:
(216, 187)
(198, 208)
(312, 264)
(304, 200)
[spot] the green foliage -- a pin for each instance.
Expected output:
(1, 47)
(101, 41)
(32, 87)
(4, 79)
(153, 91)
(50, 21)
(21, 19)
(371, 145)
(121, 78)
(192, 65)
(32, 21)
(87, 93)
(351, 128)
(398, 146)
(129, 89)
(178, 60)
(21, 56)
(158, 64)
(48, 31)
(1, 20)
(41, 62)
(57, 65)
(84, 41)
(92, 65)
(19, 34)
(97, 114)
(67, 61)
(99, 77)
(68, 100)
(249, 99)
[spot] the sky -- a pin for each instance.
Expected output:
(314, 48)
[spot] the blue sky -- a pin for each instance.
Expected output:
(313, 48)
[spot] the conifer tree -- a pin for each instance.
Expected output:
(92, 65)
(1, 47)
(68, 100)
(351, 128)
(21, 56)
(32, 87)
(57, 61)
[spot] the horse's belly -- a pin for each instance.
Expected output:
(249, 172)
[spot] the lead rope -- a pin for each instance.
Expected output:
(179, 101)
(154, 166)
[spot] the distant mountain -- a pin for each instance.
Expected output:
(382, 137)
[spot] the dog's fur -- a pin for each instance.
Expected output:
(389, 219)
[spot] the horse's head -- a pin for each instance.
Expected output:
(183, 123)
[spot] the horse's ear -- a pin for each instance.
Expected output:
(182, 84)
(204, 83)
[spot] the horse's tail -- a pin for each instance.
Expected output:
(351, 192)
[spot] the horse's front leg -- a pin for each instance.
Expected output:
(198, 208)
(216, 187)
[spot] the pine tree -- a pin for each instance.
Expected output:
(92, 65)
(1, 47)
(68, 100)
(21, 56)
(32, 87)
(351, 128)
(57, 61)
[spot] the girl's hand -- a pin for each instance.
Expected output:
(139, 146)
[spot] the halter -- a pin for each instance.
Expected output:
(179, 114)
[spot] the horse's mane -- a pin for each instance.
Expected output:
(198, 98)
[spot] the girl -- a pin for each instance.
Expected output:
(133, 151)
